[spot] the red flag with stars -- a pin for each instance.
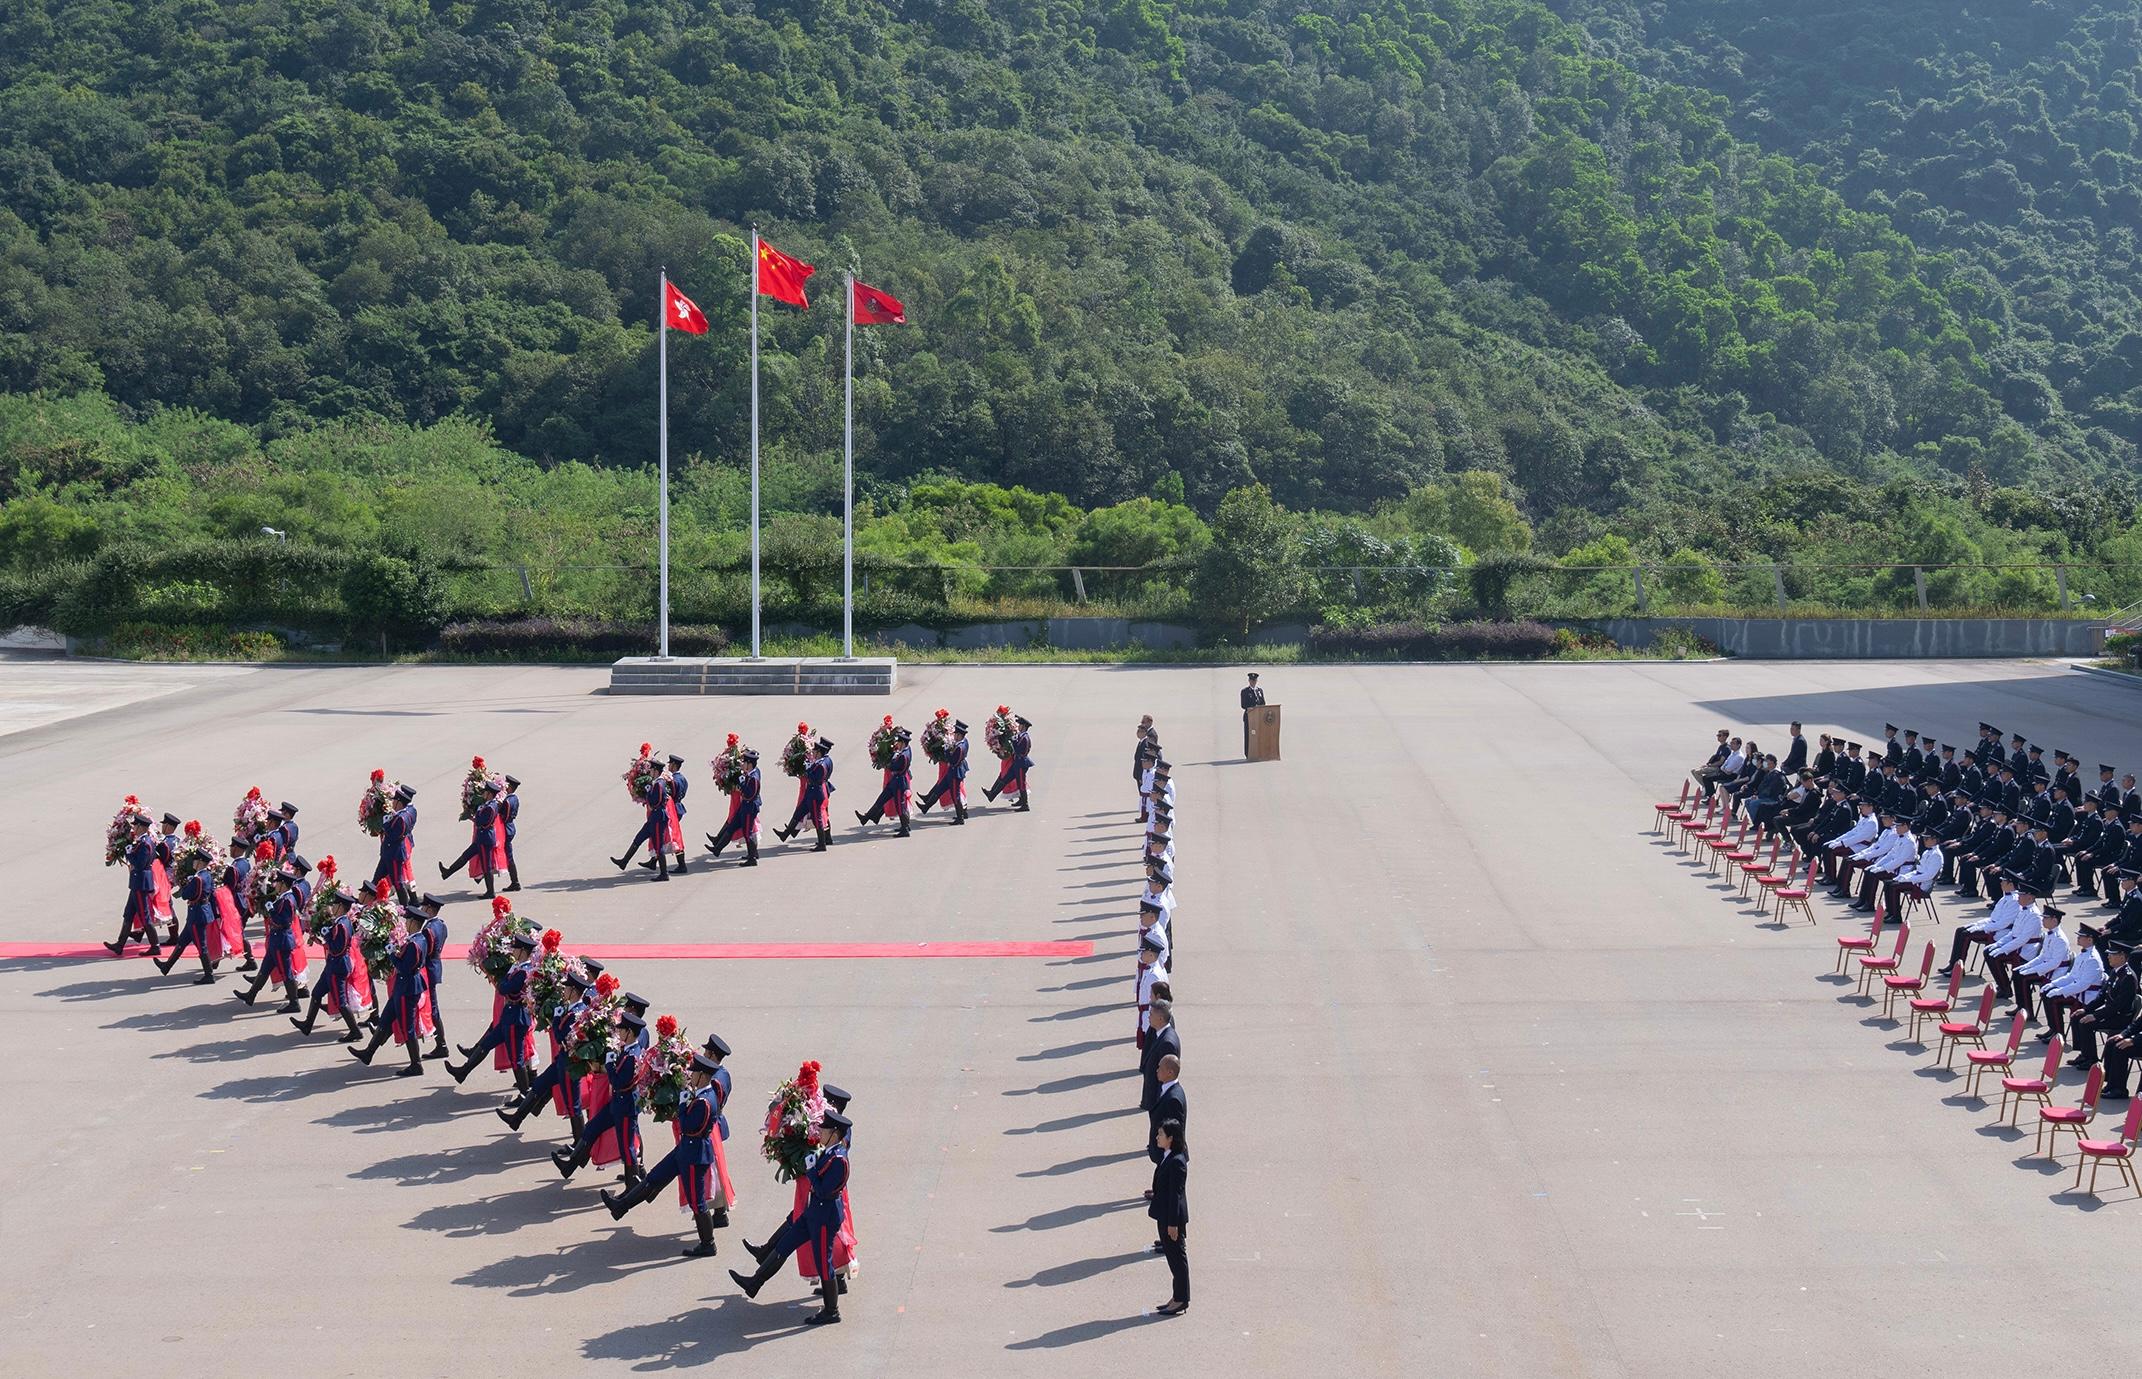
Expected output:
(781, 277)
(681, 312)
(875, 308)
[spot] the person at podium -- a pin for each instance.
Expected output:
(1252, 698)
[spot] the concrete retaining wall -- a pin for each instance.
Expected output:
(1817, 639)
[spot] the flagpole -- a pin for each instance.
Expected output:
(662, 353)
(754, 442)
(847, 488)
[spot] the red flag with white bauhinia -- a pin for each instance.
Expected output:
(680, 312)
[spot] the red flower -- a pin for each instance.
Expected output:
(265, 852)
(646, 748)
(944, 713)
(193, 828)
(1003, 709)
(732, 739)
(377, 776)
(888, 720)
(133, 799)
(606, 986)
(327, 867)
(802, 728)
(666, 1026)
(807, 1077)
(501, 906)
(253, 794)
(551, 939)
(475, 763)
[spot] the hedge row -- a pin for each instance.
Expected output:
(575, 636)
(1413, 641)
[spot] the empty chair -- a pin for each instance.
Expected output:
(2054, 1119)
(1797, 894)
(2039, 1088)
(2121, 1151)
(1723, 847)
(1851, 945)
(1742, 851)
(1665, 811)
(1757, 867)
(1704, 829)
(1870, 966)
(1924, 1008)
(1896, 983)
(1955, 1034)
(1983, 1061)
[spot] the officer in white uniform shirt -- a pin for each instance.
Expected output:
(1920, 877)
(1160, 895)
(1989, 929)
(1152, 968)
(2052, 955)
(1153, 920)
(1894, 852)
(2013, 947)
(2078, 986)
(1161, 845)
(1883, 843)
(1861, 833)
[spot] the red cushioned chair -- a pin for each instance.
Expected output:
(2121, 1151)
(1789, 894)
(1722, 846)
(1920, 900)
(1924, 1008)
(1871, 966)
(1742, 852)
(1852, 945)
(1896, 984)
(1708, 824)
(1666, 811)
(2054, 1119)
(1957, 1033)
(1983, 1061)
(1758, 867)
(2039, 1088)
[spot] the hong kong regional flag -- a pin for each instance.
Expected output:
(875, 308)
(681, 312)
(781, 277)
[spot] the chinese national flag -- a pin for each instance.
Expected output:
(875, 308)
(681, 312)
(781, 277)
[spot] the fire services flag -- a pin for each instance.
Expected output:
(875, 308)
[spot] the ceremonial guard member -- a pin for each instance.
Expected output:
(679, 787)
(899, 781)
(814, 801)
(199, 893)
(486, 854)
(556, 1082)
(656, 831)
(951, 776)
(233, 885)
(285, 833)
(515, 1026)
(509, 817)
(1149, 748)
(743, 820)
(826, 1174)
(1151, 970)
(401, 1017)
(692, 1163)
(282, 957)
(335, 973)
(166, 863)
(434, 936)
(397, 846)
(140, 890)
(620, 1113)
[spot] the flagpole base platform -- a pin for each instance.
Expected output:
(749, 675)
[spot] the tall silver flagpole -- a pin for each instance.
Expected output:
(754, 442)
(662, 353)
(847, 489)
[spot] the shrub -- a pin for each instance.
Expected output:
(537, 637)
(1678, 643)
(157, 641)
(1412, 641)
(2124, 646)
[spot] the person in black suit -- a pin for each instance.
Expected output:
(1796, 754)
(1252, 698)
(1170, 1210)
(1169, 1103)
(2113, 1009)
(1164, 1040)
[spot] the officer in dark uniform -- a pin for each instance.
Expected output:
(509, 815)
(403, 1006)
(285, 833)
(199, 893)
(812, 802)
(2113, 1009)
(433, 933)
(336, 938)
(515, 1025)
(744, 823)
(140, 889)
(621, 1113)
(1023, 764)
(483, 842)
(679, 787)
(557, 1074)
(1252, 698)
(656, 830)
(826, 1173)
(279, 955)
(397, 840)
(691, 1162)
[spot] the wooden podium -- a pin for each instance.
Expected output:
(1264, 733)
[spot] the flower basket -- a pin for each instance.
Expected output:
(194, 852)
(491, 951)
(640, 775)
(883, 743)
(1001, 734)
(547, 989)
(251, 816)
(728, 768)
(662, 1069)
(792, 1123)
(476, 787)
(323, 895)
(376, 803)
(937, 737)
(381, 931)
(797, 754)
(594, 1032)
(119, 833)
(260, 883)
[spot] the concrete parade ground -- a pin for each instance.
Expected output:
(1484, 1079)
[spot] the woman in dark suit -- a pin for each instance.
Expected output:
(1170, 1210)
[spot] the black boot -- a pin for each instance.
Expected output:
(705, 1221)
(662, 870)
(208, 972)
(349, 1022)
(568, 1161)
(443, 871)
(513, 874)
(751, 852)
(903, 827)
(679, 868)
(715, 845)
(784, 834)
(416, 1062)
(516, 1113)
(825, 836)
(460, 1074)
(379, 1036)
(753, 1284)
(252, 992)
(831, 1312)
(626, 860)
(624, 1201)
(290, 1005)
(959, 811)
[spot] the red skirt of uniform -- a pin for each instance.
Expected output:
(675, 826)
(594, 1095)
(502, 1057)
(489, 861)
(722, 1194)
(160, 894)
(354, 992)
(843, 1242)
(424, 1026)
(227, 935)
(558, 1102)
(299, 961)
(400, 873)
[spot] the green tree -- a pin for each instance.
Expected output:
(1249, 574)
(1471, 508)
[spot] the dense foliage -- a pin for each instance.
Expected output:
(1458, 276)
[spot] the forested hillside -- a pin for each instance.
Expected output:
(1341, 249)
